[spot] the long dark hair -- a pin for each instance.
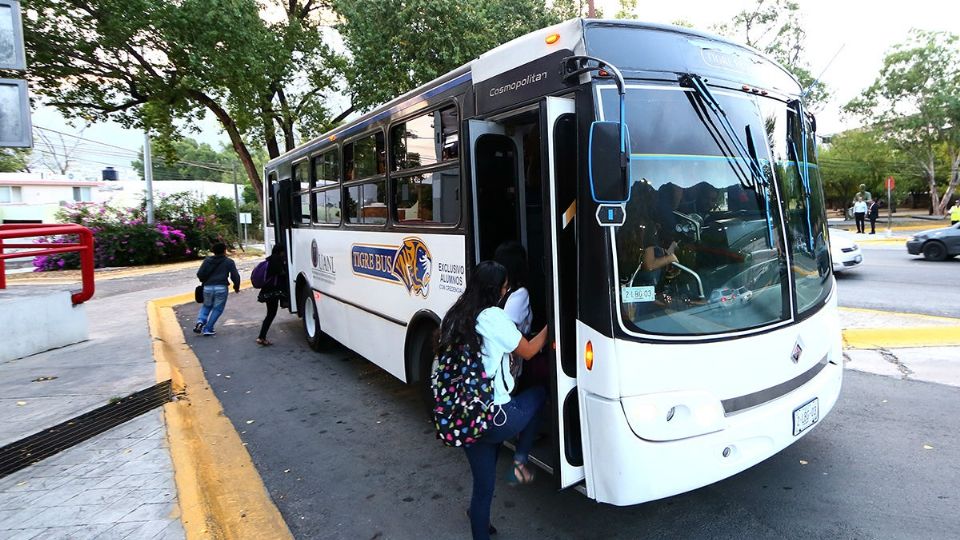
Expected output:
(459, 326)
(514, 258)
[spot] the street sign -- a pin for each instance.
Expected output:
(891, 184)
(15, 128)
(12, 54)
(611, 215)
(246, 218)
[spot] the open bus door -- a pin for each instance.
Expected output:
(282, 201)
(559, 131)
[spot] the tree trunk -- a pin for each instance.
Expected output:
(952, 186)
(238, 145)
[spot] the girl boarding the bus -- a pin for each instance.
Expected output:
(477, 322)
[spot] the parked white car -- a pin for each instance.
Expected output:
(844, 251)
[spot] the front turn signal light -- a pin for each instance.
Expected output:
(552, 38)
(588, 356)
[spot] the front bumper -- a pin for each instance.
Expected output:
(633, 470)
(914, 247)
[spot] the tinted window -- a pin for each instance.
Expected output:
(301, 181)
(271, 211)
(327, 203)
(366, 157)
(425, 140)
(430, 198)
(367, 203)
(326, 169)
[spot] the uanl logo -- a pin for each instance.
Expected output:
(409, 264)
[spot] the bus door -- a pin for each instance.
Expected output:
(560, 155)
(494, 164)
(282, 201)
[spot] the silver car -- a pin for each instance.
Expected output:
(936, 244)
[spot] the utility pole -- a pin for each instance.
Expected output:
(236, 202)
(148, 175)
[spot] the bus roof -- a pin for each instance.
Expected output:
(510, 55)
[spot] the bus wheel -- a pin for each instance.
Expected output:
(311, 321)
(426, 364)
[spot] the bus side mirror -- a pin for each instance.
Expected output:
(609, 165)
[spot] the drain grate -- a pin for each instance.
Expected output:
(39, 446)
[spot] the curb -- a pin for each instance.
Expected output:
(220, 492)
(944, 334)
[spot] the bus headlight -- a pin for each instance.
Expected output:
(673, 415)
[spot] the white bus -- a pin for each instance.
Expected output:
(597, 144)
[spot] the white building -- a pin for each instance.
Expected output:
(35, 198)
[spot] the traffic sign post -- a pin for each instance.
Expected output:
(890, 185)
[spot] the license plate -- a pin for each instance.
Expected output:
(806, 416)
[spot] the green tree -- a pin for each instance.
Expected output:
(14, 160)
(859, 157)
(427, 38)
(195, 161)
(146, 64)
(775, 28)
(915, 103)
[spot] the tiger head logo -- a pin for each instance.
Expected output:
(413, 265)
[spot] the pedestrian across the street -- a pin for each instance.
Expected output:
(955, 213)
(214, 273)
(872, 214)
(859, 212)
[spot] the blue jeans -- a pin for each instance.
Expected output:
(214, 300)
(522, 415)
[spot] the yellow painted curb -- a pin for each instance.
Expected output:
(938, 331)
(220, 492)
(895, 338)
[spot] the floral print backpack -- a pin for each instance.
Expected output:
(463, 397)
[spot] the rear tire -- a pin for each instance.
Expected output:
(425, 364)
(934, 251)
(311, 321)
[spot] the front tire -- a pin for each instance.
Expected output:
(311, 321)
(934, 251)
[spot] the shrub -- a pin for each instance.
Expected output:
(122, 237)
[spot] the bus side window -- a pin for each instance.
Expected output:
(271, 209)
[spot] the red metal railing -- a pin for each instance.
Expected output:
(28, 230)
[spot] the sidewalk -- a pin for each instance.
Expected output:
(124, 483)
(118, 484)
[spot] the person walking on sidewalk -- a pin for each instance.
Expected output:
(872, 214)
(955, 212)
(859, 211)
(213, 273)
(273, 290)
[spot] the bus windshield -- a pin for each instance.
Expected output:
(702, 250)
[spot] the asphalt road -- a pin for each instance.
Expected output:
(346, 452)
(890, 279)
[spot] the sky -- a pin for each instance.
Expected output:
(863, 32)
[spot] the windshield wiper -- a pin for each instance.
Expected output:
(756, 180)
(802, 165)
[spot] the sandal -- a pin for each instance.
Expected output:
(264, 342)
(520, 474)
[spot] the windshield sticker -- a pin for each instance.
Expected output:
(633, 295)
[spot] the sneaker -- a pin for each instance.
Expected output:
(209, 333)
(197, 328)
